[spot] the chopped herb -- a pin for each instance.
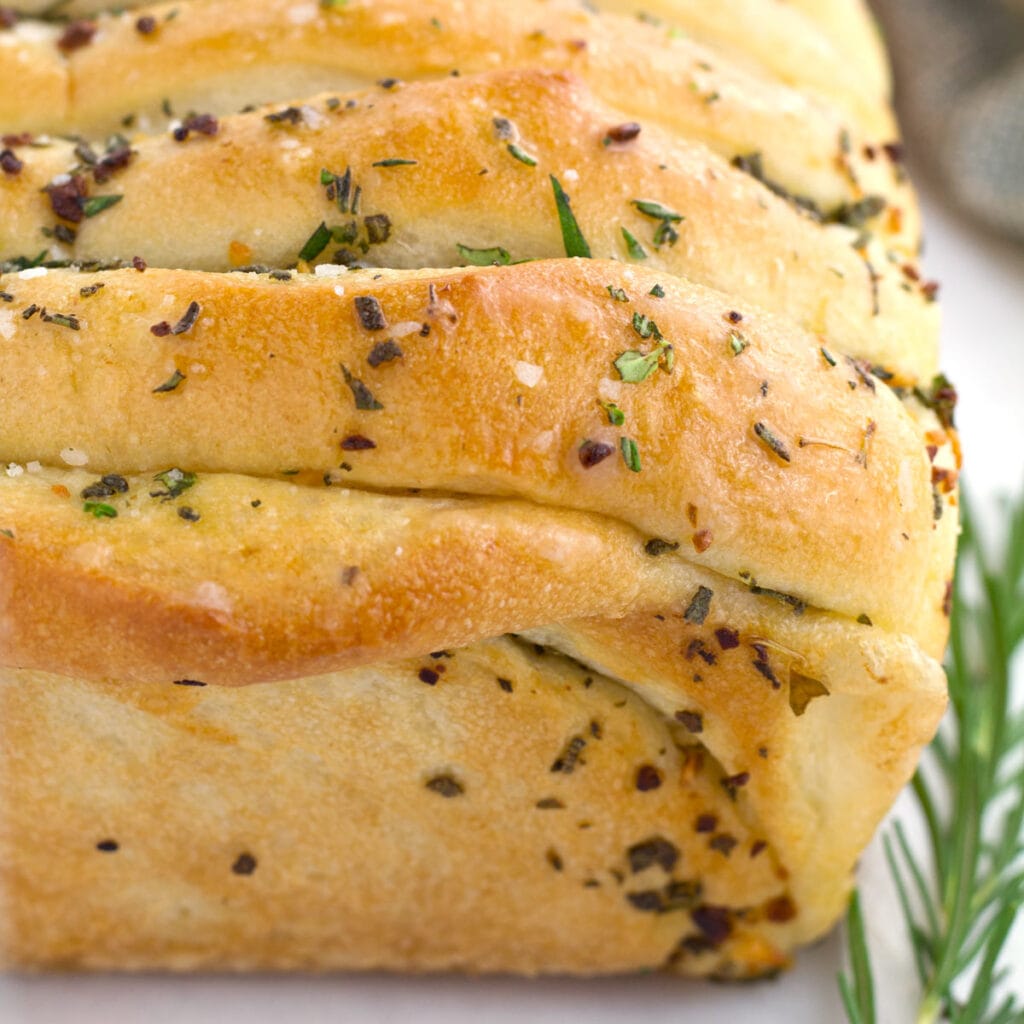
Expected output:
(505, 684)
(572, 238)
(550, 803)
(360, 392)
(171, 383)
(97, 204)
(618, 294)
(188, 514)
(699, 606)
(176, 481)
(692, 721)
(316, 243)
(737, 342)
(652, 209)
(378, 228)
(570, 756)
(428, 676)
(99, 510)
(827, 356)
(616, 417)
(384, 352)
(593, 452)
(60, 319)
(656, 850)
(108, 846)
(656, 546)
(635, 367)
(723, 843)
(941, 399)
(856, 215)
(630, 454)
(633, 247)
(90, 289)
(245, 864)
(290, 115)
(29, 311)
(395, 161)
(753, 165)
(496, 257)
(802, 690)
(521, 155)
(7, 533)
(371, 316)
(795, 603)
(201, 124)
(864, 620)
(105, 487)
(770, 440)
(646, 327)
(648, 777)
(657, 291)
(445, 785)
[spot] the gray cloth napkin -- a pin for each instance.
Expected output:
(960, 89)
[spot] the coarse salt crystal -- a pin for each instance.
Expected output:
(73, 457)
(27, 275)
(13, 469)
(528, 373)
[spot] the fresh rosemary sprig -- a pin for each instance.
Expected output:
(959, 909)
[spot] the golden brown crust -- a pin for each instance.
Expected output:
(202, 205)
(206, 56)
(156, 837)
(760, 442)
(674, 472)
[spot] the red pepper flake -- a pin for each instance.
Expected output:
(78, 33)
(648, 777)
(621, 133)
(947, 599)
(691, 514)
(731, 783)
(705, 823)
(200, 124)
(714, 922)
(10, 163)
(780, 910)
(245, 864)
(139, 263)
(702, 541)
(428, 676)
(117, 159)
(357, 443)
(68, 197)
(930, 290)
(698, 649)
(593, 452)
(146, 25)
(757, 848)
(734, 317)
(8, 17)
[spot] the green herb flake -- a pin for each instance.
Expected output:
(360, 392)
(657, 291)
(572, 238)
(737, 343)
(618, 294)
(630, 454)
(772, 441)
(316, 243)
(395, 162)
(616, 417)
(646, 327)
(827, 356)
(633, 247)
(649, 208)
(494, 257)
(97, 204)
(171, 383)
(635, 367)
(521, 155)
(100, 510)
(176, 481)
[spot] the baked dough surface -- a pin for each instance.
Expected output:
(364, 605)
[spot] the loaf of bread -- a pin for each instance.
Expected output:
(487, 505)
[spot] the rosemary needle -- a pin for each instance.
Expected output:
(959, 908)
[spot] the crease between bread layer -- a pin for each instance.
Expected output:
(848, 525)
(732, 234)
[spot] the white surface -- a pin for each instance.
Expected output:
(983, 297)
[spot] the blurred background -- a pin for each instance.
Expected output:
(960, 81)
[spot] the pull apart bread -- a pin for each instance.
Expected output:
(499, 518)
